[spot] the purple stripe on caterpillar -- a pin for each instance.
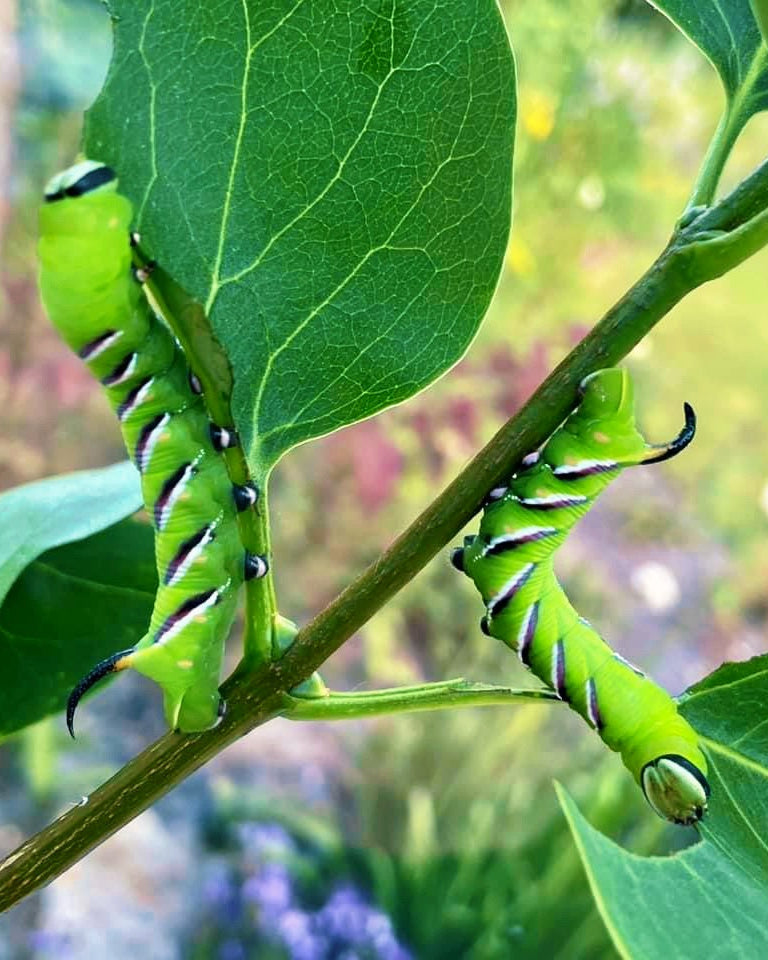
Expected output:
(526, 633)
(558, 671)
(99, 344)
(584, 468)
(135, 398)
(518, 538)
(186, 613)
(148, 438)
(172, 490)
(593, 707)
(507, 593)
(122, 372)
(187, 553)
(552, 501)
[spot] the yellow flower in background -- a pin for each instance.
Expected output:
(537, 114)
(519, 258)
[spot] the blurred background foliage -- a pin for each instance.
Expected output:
(439, 834)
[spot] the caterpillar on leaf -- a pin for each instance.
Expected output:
(94, 298)
(511, 564)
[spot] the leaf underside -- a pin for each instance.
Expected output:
(332, 181)
(58, 510)
(70, 608)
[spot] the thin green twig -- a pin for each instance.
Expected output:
(443, 695)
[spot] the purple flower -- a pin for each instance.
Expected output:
(296, 931)
(269, 890)
(380, 935)
(232, 950)
(265, 841)
(351, 922)
(344, 916)
(220, 892)
(50, 943)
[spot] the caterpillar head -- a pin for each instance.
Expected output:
(607, 393)
(604, 425)
(675, 788)
(84, 225)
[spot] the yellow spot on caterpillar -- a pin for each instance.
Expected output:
(185, 664)
(600, 437)
(124, 663)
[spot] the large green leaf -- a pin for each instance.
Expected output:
(712, 899)
(727, 33)
(331, 179)
(70, 608)
(57, 510)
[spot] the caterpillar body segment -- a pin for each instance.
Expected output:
(95, 300)
(511, 563)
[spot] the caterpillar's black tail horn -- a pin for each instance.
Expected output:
(665, 451)
(118, 661)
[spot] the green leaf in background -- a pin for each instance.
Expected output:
(711, 899)
(331, 179)
(727, 33)
(57, 510)
(760, 10)
(70, 608)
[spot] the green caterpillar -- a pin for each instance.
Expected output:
(94, 298)
(510, 562)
